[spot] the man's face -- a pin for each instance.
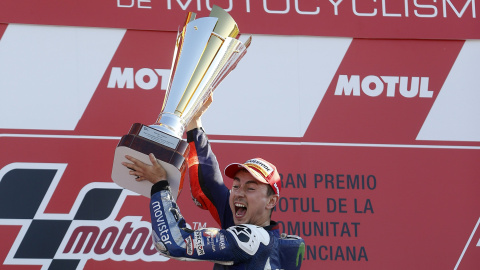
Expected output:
(249, 201)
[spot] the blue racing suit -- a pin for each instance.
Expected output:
(243, 246)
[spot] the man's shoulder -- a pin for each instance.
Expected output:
(292, 250)
(267, 243)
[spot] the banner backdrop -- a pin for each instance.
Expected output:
(377, 142)
(425, 19)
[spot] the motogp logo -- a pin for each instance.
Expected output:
(67, 241)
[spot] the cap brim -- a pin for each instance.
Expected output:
(232, 169)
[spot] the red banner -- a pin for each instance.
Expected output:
(377, 142)
(418, 19)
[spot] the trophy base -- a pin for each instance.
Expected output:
(170, 152)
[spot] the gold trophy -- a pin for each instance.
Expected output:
(206, 51)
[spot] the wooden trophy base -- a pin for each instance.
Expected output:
(142, 140)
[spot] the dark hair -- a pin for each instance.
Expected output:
(270, 192)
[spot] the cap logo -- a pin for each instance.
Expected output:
(276, 187)
(262, 167)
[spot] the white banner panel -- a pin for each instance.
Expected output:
(48, 74)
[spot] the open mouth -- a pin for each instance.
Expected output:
(240, 210)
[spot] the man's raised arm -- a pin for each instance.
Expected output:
(206, 182)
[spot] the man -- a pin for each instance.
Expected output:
(248, 238)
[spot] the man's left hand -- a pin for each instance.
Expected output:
(153, 173)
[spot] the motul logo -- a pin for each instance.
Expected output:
(390, 86)
(144, 78)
